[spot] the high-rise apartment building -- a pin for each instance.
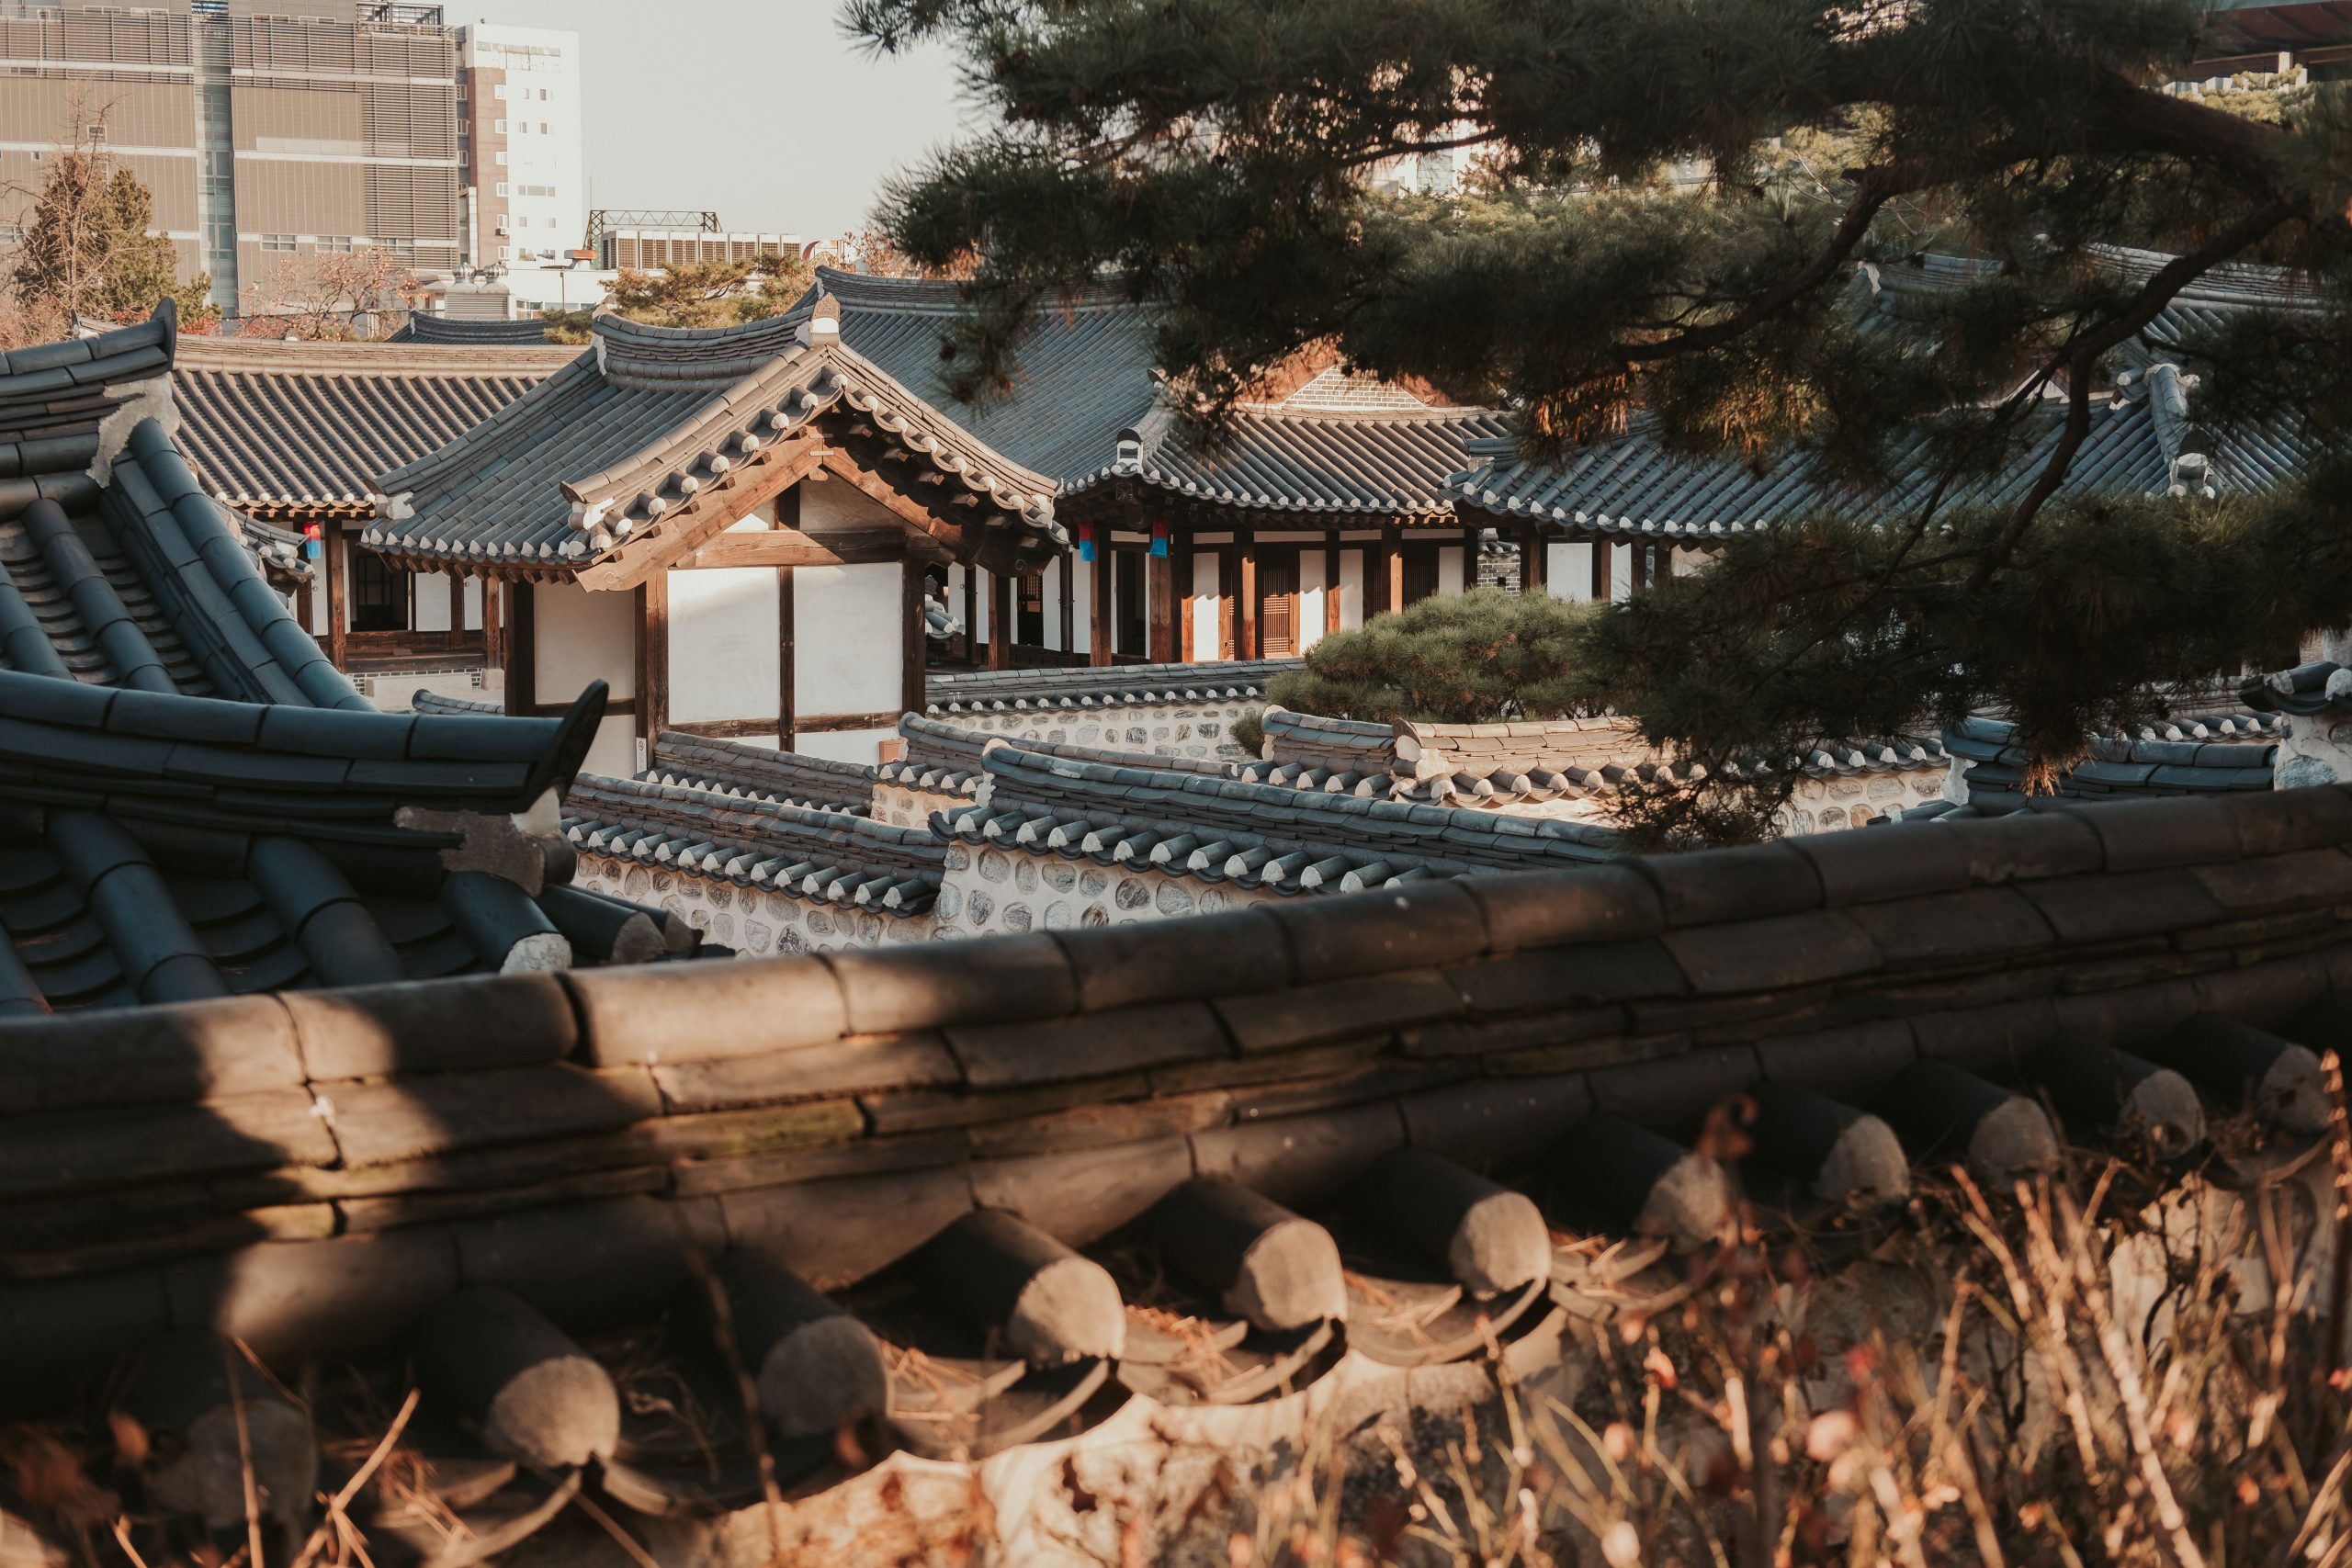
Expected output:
(265, 135)
(519, 145)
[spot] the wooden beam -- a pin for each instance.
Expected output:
(1604, 555)
(834, 723)
(494, 634)
(912, 659)
(523, 652)
(1228, 572)
(1245, 594)
(727, 729)
(457, 632)
(1638, 579)
(919, 518)
(999, 620)
(1331, 619)
(1104, 606)
(971, 614)
(338, 603)
(712, 512)
(785, 701)
(1392, 568)
(790, 547)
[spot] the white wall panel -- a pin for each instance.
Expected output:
(830, 504)
(1310, 598)
(847, 643)
(1449, 569)
(613, 754)
(723, 655)
(473, 604)
(584, 637)
(1206, 604)
(860, 746)
(1350, 589)
(429, 602)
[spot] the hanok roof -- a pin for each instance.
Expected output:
(919, 1129)
(468, 332)
(836, 856)
(632, 453)
(304, 428)
(114, 567)
(1086, 410)
(1200, 822)
(1018, 690)
(2144, 438)
(1307, 455)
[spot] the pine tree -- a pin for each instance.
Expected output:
(1670, 204)
(712, 293)
(90, 249)
(1472, 657)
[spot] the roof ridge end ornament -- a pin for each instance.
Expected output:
(140, 401)
(824, 323)
(399, 506)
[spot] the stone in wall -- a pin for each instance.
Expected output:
(755, 923)
(2317, 749)
(1178, 729)
(1042, 892)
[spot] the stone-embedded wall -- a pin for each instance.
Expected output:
(904, 807)
(1163, 729)
(754, 922)
(1827, 804)
(993, 892)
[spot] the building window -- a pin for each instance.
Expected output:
(277, 242)
(543, 128)
(379, 595)
(502, 187)
(499, 90)
(502, 159)
(505, 252)
(499, 126)
(335, 242)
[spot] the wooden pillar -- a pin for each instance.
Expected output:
(1179, 573)
(1245, 617)
(784, 699)
(1639, 578)
(1098, 652)
(523, 651)
(1069, 574)
(654, 656)
(910, 693)
(1604, 552)
(1533, 560)
(494, 639)
(999, 620)
(1392, 568)
(972, 615)
(1331, 621)
(457, 636)
(338, 612)
(1228, 627)
(1159, 578)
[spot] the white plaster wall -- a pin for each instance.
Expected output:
(1056, 584)
(1081, 615)
(1568, 572)
(1684, 561)
(1310, 598)
(584, 637)
(982, 602)
(429, 602)
(1621, 573)
(995, 892)
(724, 661)
(613, 751)
(1350, 589)
(1449, 569)
(863, 747)
(1206, 647)
(847, 642)
(473, 604)
(755, 922)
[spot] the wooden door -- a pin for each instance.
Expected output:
(1420, 572)
(1277, 603)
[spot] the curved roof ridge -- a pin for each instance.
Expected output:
(941, 296)
(384, 356)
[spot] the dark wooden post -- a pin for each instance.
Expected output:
(972, 615)
(1392, 568)
(1101, 607)
(1068, 572)
(338, 614)
(1180, 557)
(1160, 576)
(456, 634)
(785, 699)
(1245, 594)
(494, 634)
(910, 679)
(1331, 621)
(999, 620)
(1638, 578)
(654, 656)
(1533, 560)
(1605, 550)
(523, 651)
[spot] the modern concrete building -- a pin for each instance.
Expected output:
(519, 146)
(265, 135)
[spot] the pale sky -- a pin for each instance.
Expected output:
(758, 109)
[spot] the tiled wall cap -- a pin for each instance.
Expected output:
(705, 1011)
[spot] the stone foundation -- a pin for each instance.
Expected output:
(1162, 729)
